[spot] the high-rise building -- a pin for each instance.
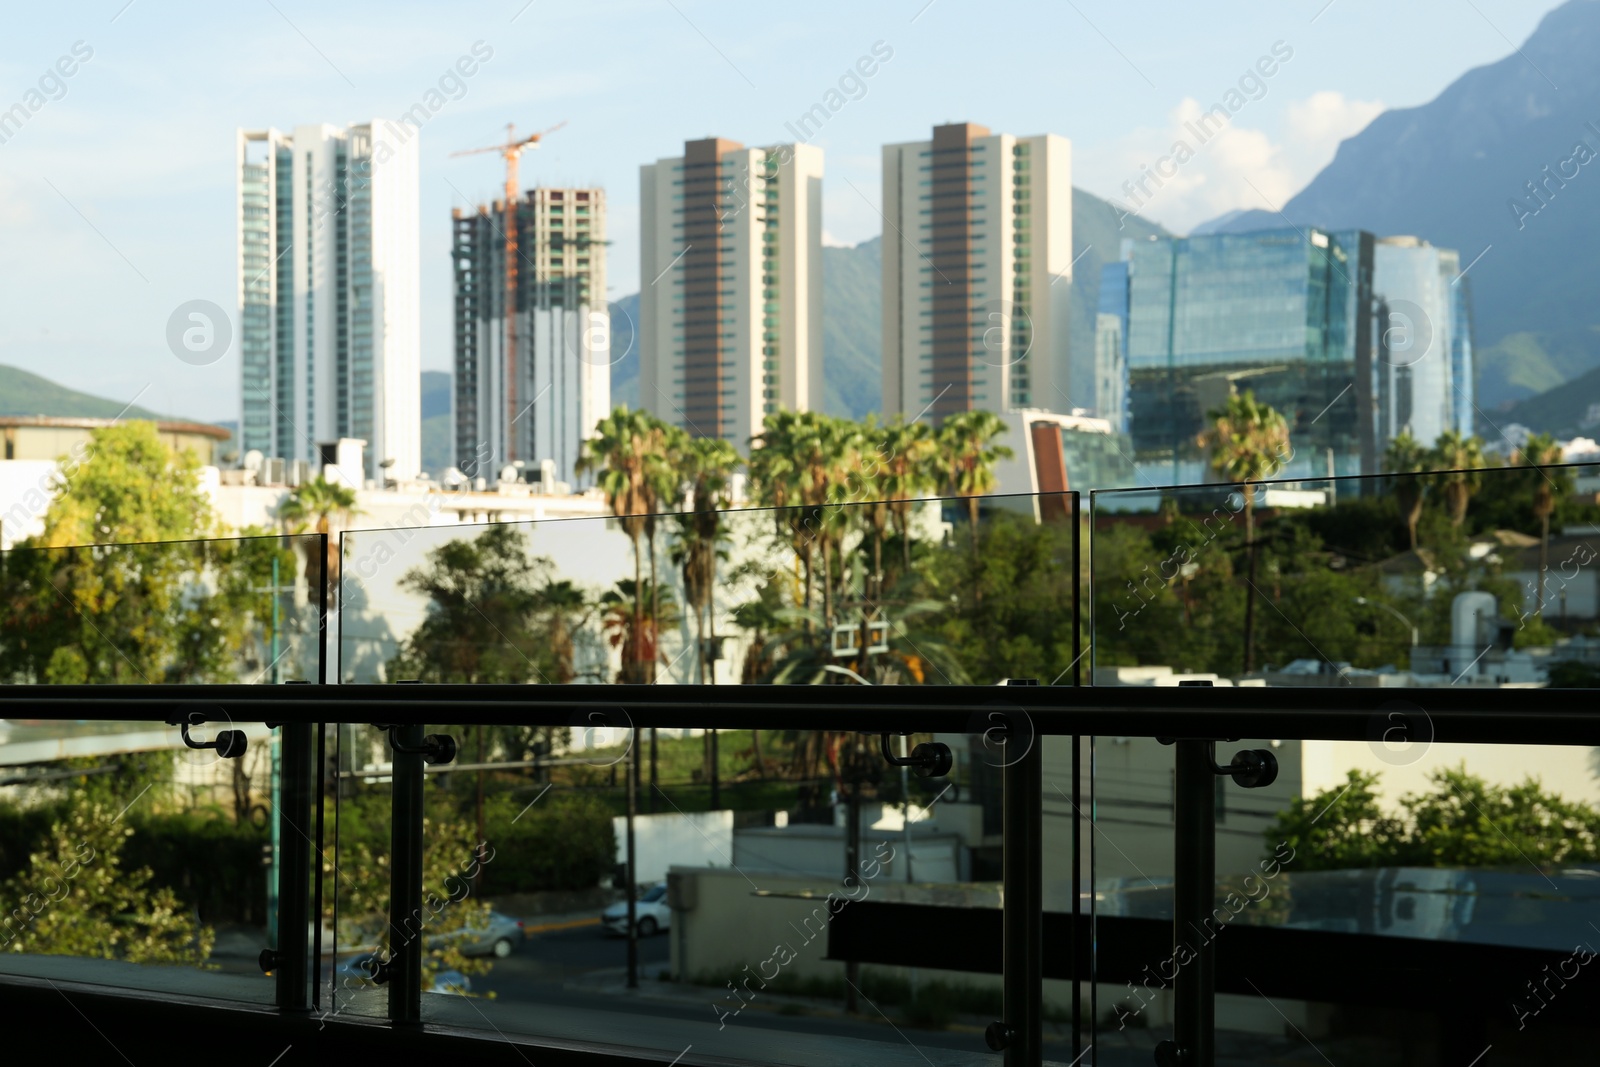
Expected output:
(1424, 363)
(1111, 347)
(541, 399)
(1286, 314)
(977, 272)
(328, 293)
(730, 311)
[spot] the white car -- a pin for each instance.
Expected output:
(650, 911)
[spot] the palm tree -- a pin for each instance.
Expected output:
(1406, 457)
(630, 627)
(906, 471)
(1247, 441)
(968, 455)
(1538, 452)
(707, 464)
(621, 452)
(315, 505)
(1458, 458)
(563, 602)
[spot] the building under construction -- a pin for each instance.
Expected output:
(539, 404)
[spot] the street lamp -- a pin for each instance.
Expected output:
(1396, 614)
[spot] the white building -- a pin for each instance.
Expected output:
(977, 272)
(1424, 358)
(534, 394)
(328, 293)
(730, 310)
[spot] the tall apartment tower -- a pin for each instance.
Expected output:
(540, 400)
(977, 272)
(1424, 351)
(730, 314)
(329, 293)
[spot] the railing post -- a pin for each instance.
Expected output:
(293, 968)
(405, 876)
(1023, 903)
(1194, 891)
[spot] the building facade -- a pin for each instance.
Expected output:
(1424, 364)
(730, 310)
(536, 392)
(1285, 314)
(977, 261)
(1111, 346)
(329, 293)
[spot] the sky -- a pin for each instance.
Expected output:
(117, 196)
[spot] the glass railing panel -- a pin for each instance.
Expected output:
(243, 609)
(144, 865)
(831, 594)
(130, 858)
(741, 865)
(1390, 849)
(357, 938)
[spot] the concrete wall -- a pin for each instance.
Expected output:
(669, 838)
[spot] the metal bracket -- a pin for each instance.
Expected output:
(229, 744)
(436, 749)
(931, 759)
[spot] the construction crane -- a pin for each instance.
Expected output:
(512, 151)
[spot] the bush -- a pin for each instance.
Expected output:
(558, 843)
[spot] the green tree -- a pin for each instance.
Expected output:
(171, 606)
(627, 454)
(1248, 441)
(708, 465)
(484, 599)
(318, 505)
(1458, 459)
(74, 898)
(1461, 821)
(967, 455)
(1541, 451)
(1405, 456)
(1342, 828)
(635, 617)
(906, 472)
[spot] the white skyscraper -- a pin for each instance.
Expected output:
(328, 293)
(1424, 364)
(977, 273)
(730, 314)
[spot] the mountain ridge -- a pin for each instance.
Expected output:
(1454, 170)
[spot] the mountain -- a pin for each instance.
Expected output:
(852, 314)
(1492, 168)
(25, 393)
(438, 450)
(852, 329)
(1571, 409)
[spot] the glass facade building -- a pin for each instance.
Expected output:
(1285, 314)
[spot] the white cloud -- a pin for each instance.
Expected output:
(1193, 170)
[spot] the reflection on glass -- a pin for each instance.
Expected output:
(526, 882)
(136, 861)
(1483, 578)
(910, 592)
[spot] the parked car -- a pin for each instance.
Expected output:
(360, 972)
(651, 912)
(499, 937)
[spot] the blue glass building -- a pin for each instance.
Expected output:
(1286, 314)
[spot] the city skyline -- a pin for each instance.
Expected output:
(117, 346)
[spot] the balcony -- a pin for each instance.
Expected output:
(1120, 779)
